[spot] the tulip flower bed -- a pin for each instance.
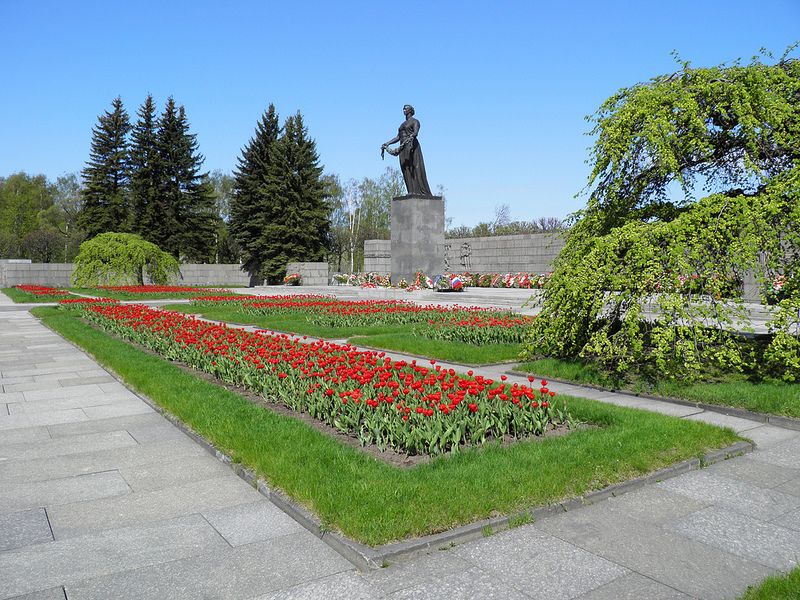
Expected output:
(400, 405)
(479, 329)
(329, 312)
(35, 293)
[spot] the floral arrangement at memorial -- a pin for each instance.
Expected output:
(292, 279)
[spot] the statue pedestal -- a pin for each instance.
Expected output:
(417, 236)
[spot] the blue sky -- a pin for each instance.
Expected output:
(501, 88)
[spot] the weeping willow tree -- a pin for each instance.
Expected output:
(695, 184)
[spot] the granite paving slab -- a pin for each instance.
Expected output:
(24, 528)
(248, 523)
(417, 571)
(23, 436)
(784, 454)
(33, 406)
(51, 393)
(790, 487)
(79, 518)
(541, 565)
(473, 583)
(232, 573)
(765, 543)
(63, 562)
(171, 472)
(129, 423)
(634, 587)
(56, 593)
(693, 568)
(790, 521)
(95, 462)
(54, 417)
(759, 473)
(768, 435)
(734, 494)
(347, 585)
(52, 493)
(118, 409)
(90, 442)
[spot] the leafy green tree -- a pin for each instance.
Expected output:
(146, 171)
(735, 130)
(298, 232)
(106, 175)
(361, 211)
(22, 198)
(122, 258)
(183, 219)
(256, 198)
(43, 245)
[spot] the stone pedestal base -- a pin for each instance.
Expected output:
(417, 236)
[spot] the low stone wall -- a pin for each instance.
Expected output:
(24, 272)
(311, 273)
(18, 272)
(529, 253)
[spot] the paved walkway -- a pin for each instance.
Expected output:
(100, 497)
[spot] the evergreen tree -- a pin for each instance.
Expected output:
(105, 206)
(145, 170)
(299, 232)
(256, 197)
(183, 219)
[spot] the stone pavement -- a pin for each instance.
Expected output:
(101, 497)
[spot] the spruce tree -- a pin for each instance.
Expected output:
(145, 170)
(300, 231)
(105, 177)
(257, 190)
(183, 219)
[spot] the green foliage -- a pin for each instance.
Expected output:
(650, 286)
(122, 258)
(278, 210)
(184, 219)
(151, 185)
(146, 170)
(361, 210)
(23, 199)
(105, 202)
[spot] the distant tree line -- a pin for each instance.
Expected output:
(503, 225)
(146, 179)
(279, 210)
(276, 207)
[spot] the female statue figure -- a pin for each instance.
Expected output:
(410, 153)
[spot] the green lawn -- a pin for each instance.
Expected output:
(778, 587)
(768, 396)
(457, 352)
(385, 337)
(377, 503)
(120, 295)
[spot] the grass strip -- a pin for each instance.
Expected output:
(768, 396)
(20, 297)
(283, 323)
(785, 586)
(386, 337)
(120, 295)
(376, 503)
(440, 349)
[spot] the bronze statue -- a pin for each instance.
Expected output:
(410, 153)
